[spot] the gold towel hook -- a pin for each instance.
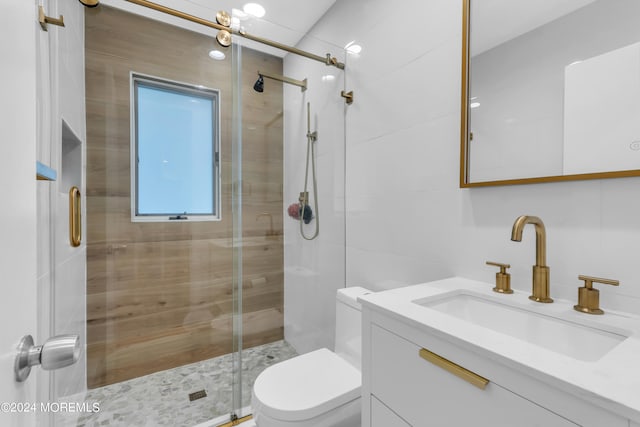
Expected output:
(348, 96)
(44, 19)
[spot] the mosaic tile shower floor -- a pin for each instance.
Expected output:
(161, 399)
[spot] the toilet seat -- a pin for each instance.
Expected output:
(306, 386)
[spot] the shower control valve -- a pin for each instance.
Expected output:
(304, 197)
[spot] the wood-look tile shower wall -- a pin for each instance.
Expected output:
(159, 295)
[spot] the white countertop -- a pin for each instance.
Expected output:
(612, 382)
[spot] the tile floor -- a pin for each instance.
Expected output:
(161, 399)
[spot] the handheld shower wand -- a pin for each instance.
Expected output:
(304, 196)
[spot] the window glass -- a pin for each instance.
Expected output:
(176, 146)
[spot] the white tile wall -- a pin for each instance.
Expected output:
(61, 268)
(71, 63)
(401, 195)
(314, 270)
(70, 280)
(407, 221)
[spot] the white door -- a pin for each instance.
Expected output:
(18, 295)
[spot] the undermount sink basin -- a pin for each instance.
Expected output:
(572, 339)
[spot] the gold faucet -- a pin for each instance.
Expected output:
(540, 270)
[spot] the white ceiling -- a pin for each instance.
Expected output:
(285, 21)
(494, 22)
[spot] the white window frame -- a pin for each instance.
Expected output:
(217, 185)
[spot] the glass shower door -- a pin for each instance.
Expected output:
(183, 312)
(160, 281)
(237, 408)
(286, 283)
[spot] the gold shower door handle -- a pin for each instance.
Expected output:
(457, 370)
(75, 217)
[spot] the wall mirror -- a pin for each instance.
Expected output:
(550, 91)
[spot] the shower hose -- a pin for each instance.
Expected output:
(311, 138)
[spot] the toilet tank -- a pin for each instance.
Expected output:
(348, 342)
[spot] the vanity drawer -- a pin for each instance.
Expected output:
(425, 394)
(381, 416)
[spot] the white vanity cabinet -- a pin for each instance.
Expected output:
(401, 388)
(382, 416)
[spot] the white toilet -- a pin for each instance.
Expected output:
(321, 388)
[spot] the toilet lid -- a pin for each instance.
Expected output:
(306, 386)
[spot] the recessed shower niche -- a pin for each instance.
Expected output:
(71, 159)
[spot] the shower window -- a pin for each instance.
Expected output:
(175, 173)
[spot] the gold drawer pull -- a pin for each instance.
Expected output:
(75, 218)
(457, 370)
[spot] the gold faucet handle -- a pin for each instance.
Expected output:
(589, 281)
(502, 266)
(503, 279)
(589, 297)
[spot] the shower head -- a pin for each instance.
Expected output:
(90, 3)
(259, 85)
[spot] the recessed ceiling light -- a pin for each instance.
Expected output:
(217, 55)
(474, 105)
(254, 9)
(328, 78)
(352, 47)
